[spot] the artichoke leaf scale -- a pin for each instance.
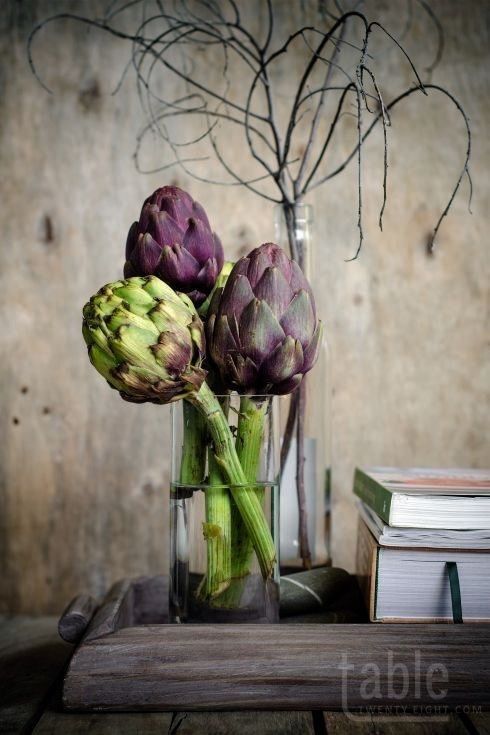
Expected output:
(131, 344)
(299, 320)
(274, 290)
(284, 362)
(157, 288)
(237, 297)
(121, 316)
(260, 330)
(147, 253)
(134, 295)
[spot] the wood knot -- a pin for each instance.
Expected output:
(148, 489)
(89, 96)
(46, 230)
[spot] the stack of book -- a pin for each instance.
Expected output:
(414, 525)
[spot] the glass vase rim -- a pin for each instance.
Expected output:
(304, 212)
(235, 393)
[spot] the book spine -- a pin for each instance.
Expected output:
(367, 567)
(373, 494)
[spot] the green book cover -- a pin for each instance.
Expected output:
(373, 494)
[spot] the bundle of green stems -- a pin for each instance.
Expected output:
(235, 526)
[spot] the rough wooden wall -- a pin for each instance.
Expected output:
(84, 475)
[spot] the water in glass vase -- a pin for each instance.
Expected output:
(215, 576)
(223, 539)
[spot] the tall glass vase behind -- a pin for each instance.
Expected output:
(215, 575)
(306, 446)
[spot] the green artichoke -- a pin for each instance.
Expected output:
(145, 339)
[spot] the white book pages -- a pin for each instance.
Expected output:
(456, 512)
(414, 585)
(435, 538)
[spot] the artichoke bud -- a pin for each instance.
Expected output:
(146, 341)
(262, 330)
(174, 241)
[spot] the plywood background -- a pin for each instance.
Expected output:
(84, 475)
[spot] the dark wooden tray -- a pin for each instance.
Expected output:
(129, 659)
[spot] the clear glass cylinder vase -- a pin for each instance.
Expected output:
(216, 566)
(306, 443)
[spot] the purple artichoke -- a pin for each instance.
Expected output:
(263, 334)
(174, 241)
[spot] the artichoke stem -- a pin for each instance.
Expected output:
(193, 462)
(244, 496)
(217, 533)
(250, 435)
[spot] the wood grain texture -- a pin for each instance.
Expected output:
(116, 611)
(338, 723)
(32, 657)
(407, 332)
(255, 667)
(55, 722)
(243, 723)
(129, 602)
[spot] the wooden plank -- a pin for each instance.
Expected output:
(116, 611)
(32, 656)
(128, 602)
(338, 723)
(245, 723)
(199, 667)
(55, 722)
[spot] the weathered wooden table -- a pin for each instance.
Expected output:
(33, 657)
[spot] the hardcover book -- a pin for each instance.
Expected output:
(412, 585)
(424, 538)
(427, 498)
